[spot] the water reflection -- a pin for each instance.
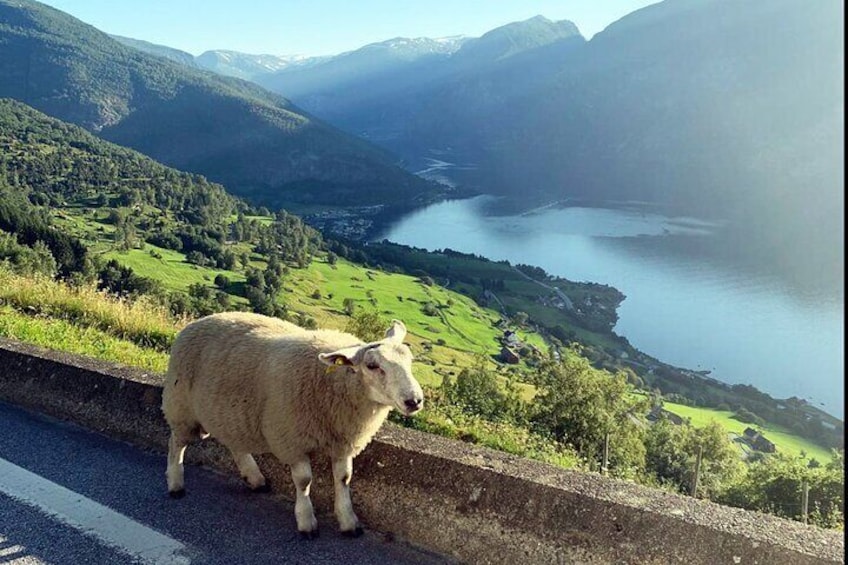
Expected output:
(694, 298)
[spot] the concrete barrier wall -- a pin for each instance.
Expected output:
(474, 504)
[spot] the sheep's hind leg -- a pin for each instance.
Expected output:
(307, 525)
(342, 473)
(250, 471)
(176, 451)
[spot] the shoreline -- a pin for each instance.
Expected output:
(381, 223)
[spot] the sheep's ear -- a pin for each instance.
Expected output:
(397, 332)
(348, 356)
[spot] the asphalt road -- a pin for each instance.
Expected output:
(68, 495)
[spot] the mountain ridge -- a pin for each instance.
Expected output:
(255, 142)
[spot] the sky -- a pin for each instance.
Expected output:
(324, 27)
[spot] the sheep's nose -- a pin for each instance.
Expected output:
(413, 403)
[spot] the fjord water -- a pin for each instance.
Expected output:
(690, 301)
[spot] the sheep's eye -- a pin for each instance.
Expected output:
(373, 366)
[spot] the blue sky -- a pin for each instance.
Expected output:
(324, 27)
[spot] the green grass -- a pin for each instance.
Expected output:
(172, 269)
(87, 322)
(783, 439)
(140, 322)
(263, 220)
(63, 335)
(459, 332)
(84, 321)
(461, 324)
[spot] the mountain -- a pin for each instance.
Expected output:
(388, 64)
(712, 108)
(250, 67)
(228, 63)
(515, 38)
(440, 100)
(235, 64)
(159, 50)
(256, 143)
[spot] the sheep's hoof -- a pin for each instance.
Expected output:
(309, 535)
(261, 488)
(176, 493)
(354, 533)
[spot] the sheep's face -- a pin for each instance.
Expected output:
(387, 372)
(386, 369)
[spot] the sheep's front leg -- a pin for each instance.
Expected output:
(307, 525)
(342, 473)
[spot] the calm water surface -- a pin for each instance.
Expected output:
(687, 303)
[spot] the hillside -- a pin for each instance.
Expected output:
(159, 50)
(162, 247)
(231, 131)
(391, 66)
(182, 233)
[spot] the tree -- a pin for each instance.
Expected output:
(774, 484)
(244, 261)
(671, 452)
(476, 392)
(222, 281)
(579, 405)
(430, 309)
(26, 259)
(367, 325)
(520, 318)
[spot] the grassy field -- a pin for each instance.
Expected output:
(67, 336)
(782, 439)
(84, 321)
(172, 269)
(453, 338)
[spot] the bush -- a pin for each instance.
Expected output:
(774, 485)
(430, 309)
(476, 392)
(578, 405)
(349, 306)
(748, 417)
(367, 325)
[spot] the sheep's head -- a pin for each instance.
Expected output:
(386, 369)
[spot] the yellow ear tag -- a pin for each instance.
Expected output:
(339, 361)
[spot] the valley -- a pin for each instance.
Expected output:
(583, 319)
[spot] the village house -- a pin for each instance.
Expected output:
(758, 441)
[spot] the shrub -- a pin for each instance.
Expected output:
(367, 325)
(430, 309)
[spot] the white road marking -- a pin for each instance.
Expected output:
(16, 554)
(91, 518)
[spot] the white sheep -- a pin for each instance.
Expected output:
(258, 384)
